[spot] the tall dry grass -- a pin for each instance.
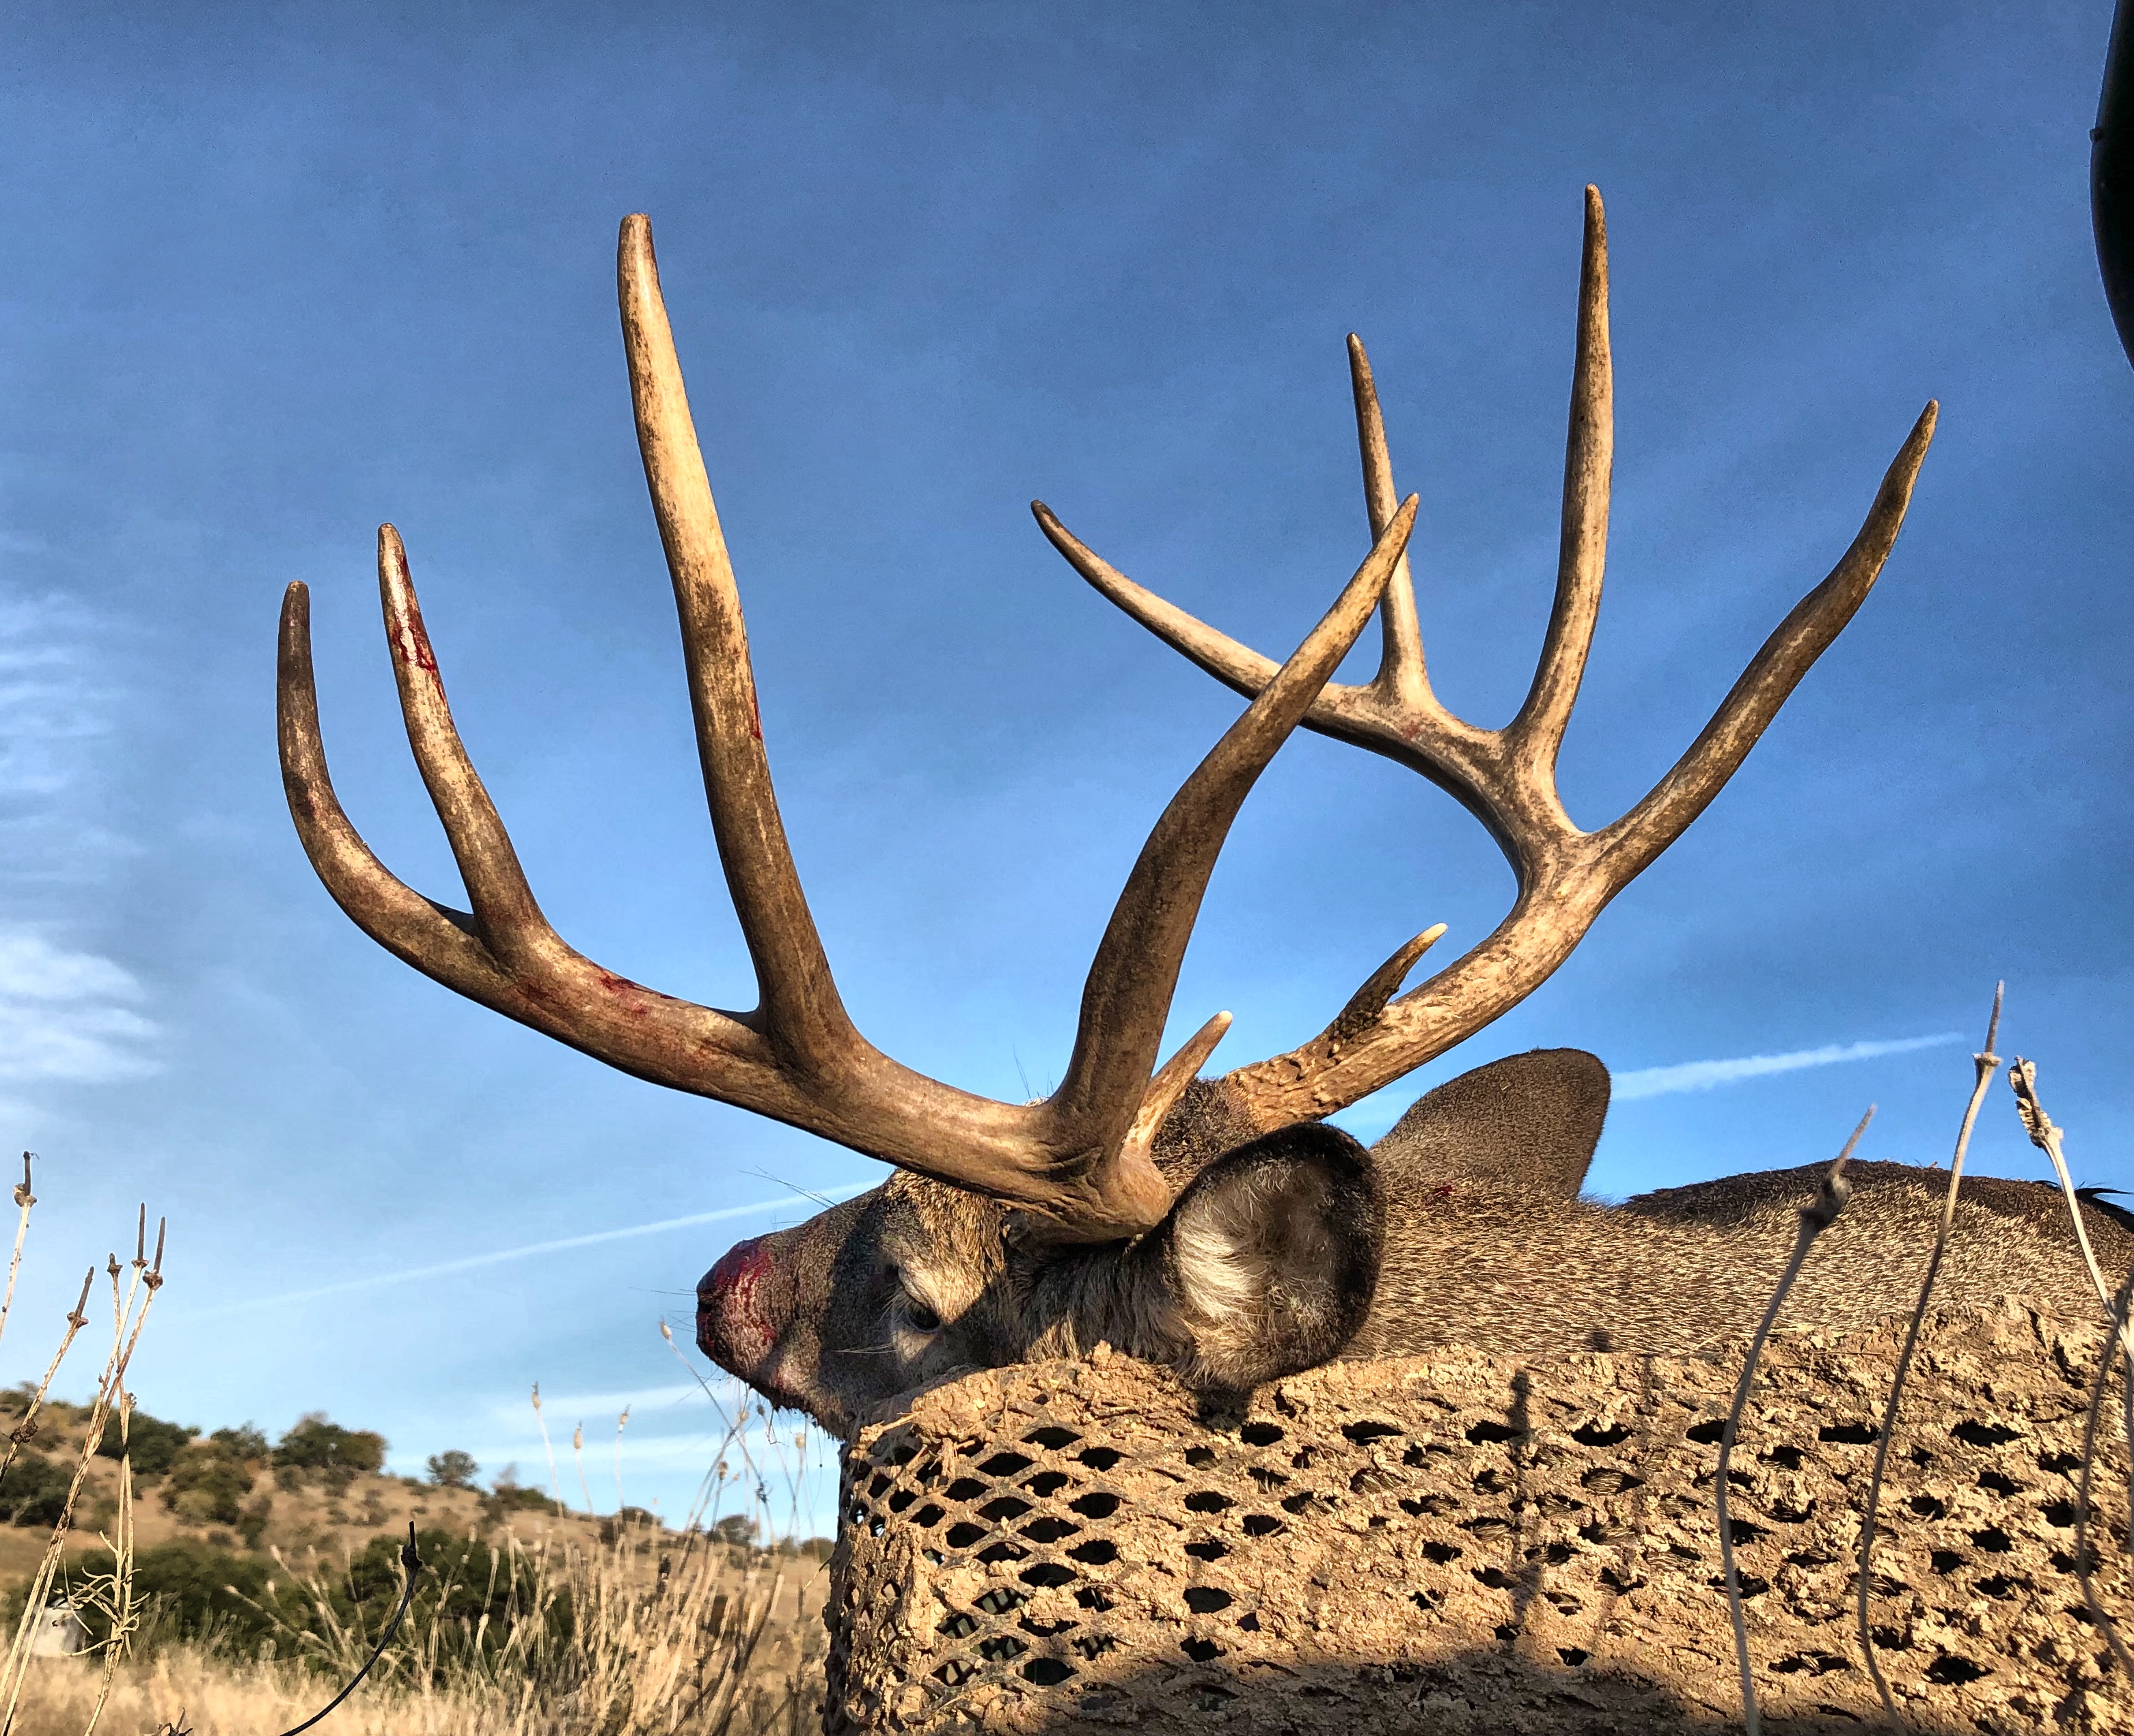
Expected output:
(685, 1638)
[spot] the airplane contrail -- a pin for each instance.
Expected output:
(1660, 1082)
(409, 1275)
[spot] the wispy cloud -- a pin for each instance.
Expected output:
(1660, 1082)
(471, 1262)
(66, 1015)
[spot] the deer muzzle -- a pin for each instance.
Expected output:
(743, 1305)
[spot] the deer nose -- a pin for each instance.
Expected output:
(740, 1307)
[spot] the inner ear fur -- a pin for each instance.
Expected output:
(1273, 1253)
(1527, 1123)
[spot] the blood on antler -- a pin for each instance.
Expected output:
(1506, 778)
(1079, 1159)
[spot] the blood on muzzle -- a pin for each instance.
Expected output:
(743, 1304)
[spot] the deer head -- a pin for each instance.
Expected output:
(1210, 1223)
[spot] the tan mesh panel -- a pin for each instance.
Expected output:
(1462, 1545)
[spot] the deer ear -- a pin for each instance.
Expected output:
(1272, 1256)
(1528, 1122)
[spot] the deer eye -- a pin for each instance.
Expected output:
(917, 1316)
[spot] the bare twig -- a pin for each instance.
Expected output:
(24, 1199)
(2047, 1136)
(555, 1482)
(1815, 1218)
(1986, 1062)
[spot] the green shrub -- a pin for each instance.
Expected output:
(453, 1470)
(34, 1490)
(151, 1443)
(246, 1442)
(207, 1484)
(315, 1444)
(510, 1498)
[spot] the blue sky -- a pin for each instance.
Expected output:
(278, 273)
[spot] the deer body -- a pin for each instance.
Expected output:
(1215, 1225)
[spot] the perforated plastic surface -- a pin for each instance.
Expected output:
(1461, 1544)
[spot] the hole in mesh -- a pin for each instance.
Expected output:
(1945, 1561)
(1002, 1648)
(1364, 1433)
(2060, 1464)
(1592, 1435)
(1201, 1651)
(1993, 1540)
(1096, 1552)
(1248, 1623)
(964, 1534)
(1099, 1458)
(1052, 1438)
(877, 1485)
(1706, 1433)
(1573, 1656)
(1752, 1585)
(1506, 1632)
(1259, 1435)
(1997, 1484)
(1489, 1525)
(1199, 1458)
(1558, 1553)
(1098, 1504)
(1849, 1435)
(1483, 1434)
(1050, 1531)
(2001, 1585)
(1047, 1673)
(1973, 1433)
(1927, 1508)
(875, 1524)
(1953, 1672)
(1004, 1552)
(1495, 1578)
(1746, 1532)
(1487, 1481)
(1045, 1630)
(1268, 1477)
(1786, 1458)
(902, 1499)
(966, 1488)
(1374, 1480)
(1302, 1502)
(1207, 1600)
(1210, 1550)
(858, 1515)
(1046, 1574)
(1208, 1501)
(1262, 1525)
(1441, 1553)
(955, 1672)
(1092, 1646)
(1047, 1483)
(999, 1599)
(1004, 1464)
(1004, 1508)
(1814, 1663)
(1092, 1598)
(958, 1625)
(927, 1517)
(1792, 1515)
(2061, 1513)
(1608, 1480)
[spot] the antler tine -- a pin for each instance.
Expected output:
(1588, 463)
(800, 1012)
(506, 916)
(1403, 676)
(436, 942)
(1685, 792)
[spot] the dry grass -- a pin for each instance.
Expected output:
(713, 1645)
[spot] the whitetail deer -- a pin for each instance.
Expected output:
(1211, 1224)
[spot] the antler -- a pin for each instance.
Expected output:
(1079, 1159)
(1506, 778)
